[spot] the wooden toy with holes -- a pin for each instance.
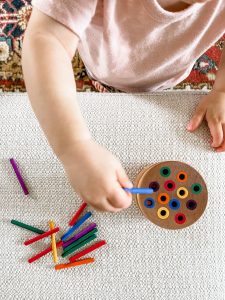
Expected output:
(180, 194)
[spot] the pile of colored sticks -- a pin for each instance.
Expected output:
(69, 244)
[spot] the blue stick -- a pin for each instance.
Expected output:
(77, 225)
(139, 190)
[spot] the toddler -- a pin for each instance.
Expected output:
(131, 45)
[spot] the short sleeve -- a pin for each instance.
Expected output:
(74, 14)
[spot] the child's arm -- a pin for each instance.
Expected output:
(212, 108)
(48, 48)
(95, 173)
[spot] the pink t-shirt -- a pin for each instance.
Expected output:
(136, 45)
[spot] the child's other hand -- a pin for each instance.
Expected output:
(97, 176)
(212, 108)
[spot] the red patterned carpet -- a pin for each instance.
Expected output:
(14, 15)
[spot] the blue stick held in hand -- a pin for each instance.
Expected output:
(77, 225)
(139, 190)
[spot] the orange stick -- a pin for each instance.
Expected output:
(74, 264)
(54, 248)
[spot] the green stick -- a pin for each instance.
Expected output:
(83, 238)
(91, 238)
(28, 227)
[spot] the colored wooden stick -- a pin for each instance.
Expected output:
(83, 238)
(79, 235)
(85, 242)
(54, 248)
(139, 190)
(76, 226)
(74, 264)
(28, 227)
(77, 214)
(44, 252)
(41, 236)
(19, 176)
(86, 251)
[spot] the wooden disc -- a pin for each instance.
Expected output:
(180, 196)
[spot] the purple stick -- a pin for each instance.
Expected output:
(16, 170)
(79, 235)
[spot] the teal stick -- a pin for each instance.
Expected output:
(91, 238)
(81, 239)
(28, 227)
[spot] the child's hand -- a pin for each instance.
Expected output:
(97, 176)
(212, 107)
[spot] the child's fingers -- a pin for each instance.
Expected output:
(221, 148)
(119, 198)
(99, 203)
(104, 205)
(197, 119)
(216, 131)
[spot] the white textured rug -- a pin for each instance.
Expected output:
(141, 261)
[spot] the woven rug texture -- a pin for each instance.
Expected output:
(14, 16)
(141, 260)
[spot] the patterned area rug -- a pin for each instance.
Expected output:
(14, 15)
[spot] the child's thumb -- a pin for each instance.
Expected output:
(123, 179)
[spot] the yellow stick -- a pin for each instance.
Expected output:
(54, 248)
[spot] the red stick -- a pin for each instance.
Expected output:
(78, 213)
(41, 236)
(44, 252)
(86, 251)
